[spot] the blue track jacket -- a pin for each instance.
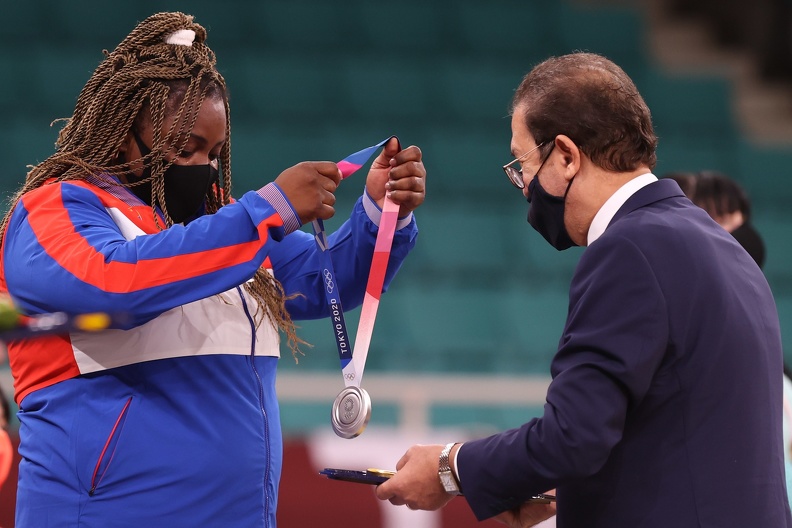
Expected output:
(171, 420)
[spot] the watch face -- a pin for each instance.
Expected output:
(448, 482)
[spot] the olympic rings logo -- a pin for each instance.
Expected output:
(349, 376)
(328, 278)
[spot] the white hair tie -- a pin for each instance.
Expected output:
(181, 37)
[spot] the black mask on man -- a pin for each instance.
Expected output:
(546, 213)
(185, 186)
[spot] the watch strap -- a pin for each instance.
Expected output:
(447, 477)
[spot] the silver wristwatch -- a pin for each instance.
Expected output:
(447, 477)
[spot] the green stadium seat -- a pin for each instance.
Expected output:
(407, 30)
(775, 228)
(385, 88)
(525, 30)
(615, 32)
(31, 142)
(306, 25)
(27, 143)
(234, 28)
(95, 25)
(58, 76)
(460, 239)
(764, 172)
(536, 316)
(25, 23)
(475, 90)
(542, 260)
(503, 329)
(466, 161)
(693, 152)
(283, 87)
(12, 93)
(260, 153)
(454, 329)
(698, 106)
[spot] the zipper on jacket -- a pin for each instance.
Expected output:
(96, 478)
(261, 404)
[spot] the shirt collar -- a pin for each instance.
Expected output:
(612, 204)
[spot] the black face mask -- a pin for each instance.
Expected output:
(185, 186)
(752, 241)
(546, 213)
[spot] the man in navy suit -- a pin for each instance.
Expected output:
(665, 405)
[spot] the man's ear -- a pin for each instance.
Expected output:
(570, 156)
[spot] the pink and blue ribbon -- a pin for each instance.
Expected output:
(353, 359)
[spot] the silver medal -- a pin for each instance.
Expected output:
(351, 412)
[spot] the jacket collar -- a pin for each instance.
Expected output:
(654, 192)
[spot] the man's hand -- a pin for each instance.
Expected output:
(528, 514)
(416, 482)
(400, 174)
(310, 188)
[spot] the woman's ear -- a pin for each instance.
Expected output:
(123, 155)
(129, 154)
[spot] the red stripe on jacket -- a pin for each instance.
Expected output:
(49, 219)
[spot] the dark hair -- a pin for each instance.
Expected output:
(130, 86)
(686, 182)
(719, 196)
(590, 99)
(140, 82)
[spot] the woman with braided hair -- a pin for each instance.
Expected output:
(170, 417)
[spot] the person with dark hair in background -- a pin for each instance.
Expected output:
(727, 203)
(170, 418)
(656, 415)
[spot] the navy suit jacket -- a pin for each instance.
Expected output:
(665, 408)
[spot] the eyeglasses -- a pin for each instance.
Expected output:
(515, 175)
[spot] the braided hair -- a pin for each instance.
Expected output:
(143, 80)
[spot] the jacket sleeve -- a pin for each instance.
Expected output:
(297, 262)
(615, 337)
(64, 252)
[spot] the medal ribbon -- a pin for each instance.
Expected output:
(353, 360)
